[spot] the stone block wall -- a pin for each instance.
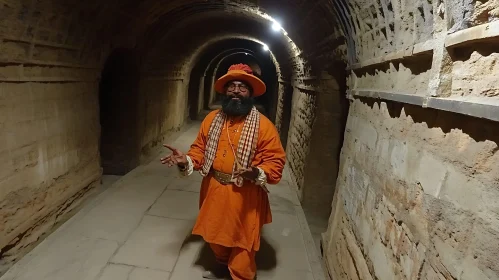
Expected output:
(280, 108)
(322, 162)
(412, 201)
(300, 130)
(50, 70)
(49, 140)
(162, 110)
(415, 196)
(283, 111)
(49, 119)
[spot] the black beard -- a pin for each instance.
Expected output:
(237, 107)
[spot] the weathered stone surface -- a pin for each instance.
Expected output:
(302, 117)
(485, 11)
(476, 76)
(50, 155)
(162, 106)
(402, 79)
(406, 225)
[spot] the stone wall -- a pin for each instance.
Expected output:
(322, 162)
(415, 194)
(162, 110)
(283, 110)
(49, 143)
(300, 130)
(49, 139)
(412, 201)
(49, 119)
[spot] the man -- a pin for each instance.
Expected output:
(238, 152)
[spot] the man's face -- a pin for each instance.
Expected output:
(238, 100)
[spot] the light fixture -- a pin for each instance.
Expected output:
(276, 26)
(265, 47)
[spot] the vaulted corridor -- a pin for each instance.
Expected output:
(139, 228)
(388, 111)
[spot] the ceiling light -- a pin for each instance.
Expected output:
(265, 47)
(276, 26)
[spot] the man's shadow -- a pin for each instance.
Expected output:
(266, 258)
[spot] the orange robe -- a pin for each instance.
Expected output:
(233, 216)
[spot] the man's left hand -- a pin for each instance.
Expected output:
(250, 173)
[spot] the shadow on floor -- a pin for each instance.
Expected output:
(266, 259)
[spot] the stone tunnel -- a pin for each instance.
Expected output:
(388, 111)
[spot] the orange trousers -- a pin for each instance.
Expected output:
(241, 263)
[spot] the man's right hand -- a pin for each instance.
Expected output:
(177, 157)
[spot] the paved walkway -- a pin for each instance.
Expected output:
(139, 229)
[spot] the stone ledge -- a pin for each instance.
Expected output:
(42, 43)
(472, 34)
(33, 62)
(46, 80)
(416, 49)
(479, 108)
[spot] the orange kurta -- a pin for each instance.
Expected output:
(232, 216)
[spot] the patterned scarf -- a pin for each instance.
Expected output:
(247, 143)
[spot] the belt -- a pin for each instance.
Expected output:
(222, 178)
(225, 179)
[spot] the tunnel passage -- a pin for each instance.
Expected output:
(215, 62)
(118, 97)
(412, 198)
(262, 67)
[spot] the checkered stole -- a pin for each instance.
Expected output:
(247, 142)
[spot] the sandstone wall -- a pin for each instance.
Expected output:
(414, 202)
(50, 69)
(49, 120)
(322, 162)
(415, 195)
(49, 139)
(283, 111)
(300, 130)
(278, 122)
(49, 143)
(162, 110)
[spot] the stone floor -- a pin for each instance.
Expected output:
(317, 223)
(139, 228)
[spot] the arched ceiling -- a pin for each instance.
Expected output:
(192, 35)
(212, 53)
(227, 52)
(97, 26)
(182, 25)
(243, 57)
